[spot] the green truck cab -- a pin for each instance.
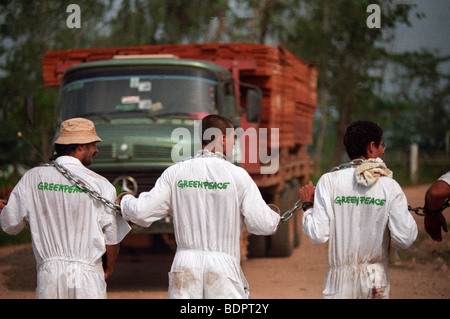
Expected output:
(139, 104)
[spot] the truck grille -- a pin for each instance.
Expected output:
(145, 180)
(151, 153)
(105, 152)
(148, 152)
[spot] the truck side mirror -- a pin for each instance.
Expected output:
(254, 105)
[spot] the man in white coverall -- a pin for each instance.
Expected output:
(210, 199)
(70, 230)
(363, 213)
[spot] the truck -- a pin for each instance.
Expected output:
(147, 102)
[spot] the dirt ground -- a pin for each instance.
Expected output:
(422, 272)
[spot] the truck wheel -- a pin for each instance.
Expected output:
(280, 245)
(283, 242)
(257, 246)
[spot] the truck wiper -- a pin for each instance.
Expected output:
(96, 114)
(105, 115)
(170, 114)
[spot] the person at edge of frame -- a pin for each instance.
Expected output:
(435, 198)
(70, 231)
(210, 199)
(363, 213)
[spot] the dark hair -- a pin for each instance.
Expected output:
(64, 149)
(214, 121)
(359, 135)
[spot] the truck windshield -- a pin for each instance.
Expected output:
(130, 91)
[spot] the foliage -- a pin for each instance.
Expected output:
(29, 29)
(140, 22)
(24, 237)
(422, 85)
(332, 34)
(10, 148)
(349, 57)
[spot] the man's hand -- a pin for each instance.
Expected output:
(433, 224)
(112, 252)
(119, 198)
(306, 193)
(2, 204)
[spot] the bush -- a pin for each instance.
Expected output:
(24, 237)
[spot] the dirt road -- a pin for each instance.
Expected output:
(422, 272)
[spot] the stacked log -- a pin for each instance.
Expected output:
(287, 82)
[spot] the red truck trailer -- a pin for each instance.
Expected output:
(288, 99)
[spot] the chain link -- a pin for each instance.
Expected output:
(426, 212)
(355, 162)
(416, 210)
(85, 187)
(284, 218)
(287, 215)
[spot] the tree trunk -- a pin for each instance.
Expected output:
(343, 122)
(323, 123)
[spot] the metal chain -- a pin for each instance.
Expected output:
(85, 187)
(354, 162)
(426, 212)
(416, 210)
(287, 215)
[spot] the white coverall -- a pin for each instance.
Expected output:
(363, 225)
(209, 199)
(445, 178)
(69, 229)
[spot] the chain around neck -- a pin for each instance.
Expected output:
(355, 162)
(206, 153)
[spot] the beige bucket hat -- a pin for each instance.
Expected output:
(77, 131)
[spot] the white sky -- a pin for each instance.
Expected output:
(432, 31)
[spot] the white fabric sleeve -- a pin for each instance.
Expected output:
(259, 218)
(401, 223)
(445, 178)
(114, 227)
(316, 221)
(14, 215)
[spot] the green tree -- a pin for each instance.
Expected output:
(28, 30)
(423, 85)
(140, 22)
(349, 56)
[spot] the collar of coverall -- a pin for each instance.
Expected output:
(67, 159)
(206, 153)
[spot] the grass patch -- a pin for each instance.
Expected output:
(24, 237)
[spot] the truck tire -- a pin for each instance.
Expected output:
(257, 246)
(283, 242)
(280, 244)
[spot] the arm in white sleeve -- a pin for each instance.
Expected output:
(149, 206)
(401, 223)
(14, 215)
(259, 218)
(316, 220)
(114, 227)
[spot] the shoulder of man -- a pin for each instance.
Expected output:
(94, 178)
(32, 172)
(445, 178)
(95, 175)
